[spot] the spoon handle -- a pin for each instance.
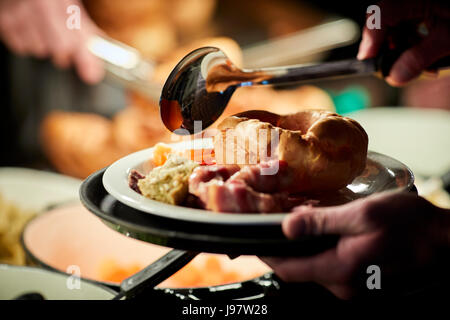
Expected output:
(125, 65)
(155, 273)
(337, 68)
(320, 71)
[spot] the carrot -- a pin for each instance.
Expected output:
(202, 156)
(111, 271)
(160, 154)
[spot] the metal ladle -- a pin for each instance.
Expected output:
(199, 88)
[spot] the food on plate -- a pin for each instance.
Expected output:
(133, 179)
(12, 222)
(228, 188)
(169, 182)
(161, 152)
(262, 162)
(324, 150)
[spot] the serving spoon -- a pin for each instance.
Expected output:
(200, 86)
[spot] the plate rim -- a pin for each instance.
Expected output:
(124, 194)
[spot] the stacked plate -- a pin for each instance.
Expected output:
(107, 194)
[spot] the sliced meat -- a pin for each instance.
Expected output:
(270, 177)
(236, 196)
(133, 179)
(227, 189)
(208, 173)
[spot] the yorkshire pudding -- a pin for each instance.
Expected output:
(324, 151)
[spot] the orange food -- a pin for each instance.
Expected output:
(160, 153)
(203, 156)
(213, 264)
(209, 272)
(189, 276)
(111, 271)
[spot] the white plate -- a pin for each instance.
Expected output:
(36, 189)
(115, 181)
(17, 280)
(420, 138)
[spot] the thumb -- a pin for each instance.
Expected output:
(307, 220)
(416, 59)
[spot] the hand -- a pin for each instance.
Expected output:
(401, 233)
(411, 63)
(38, 28)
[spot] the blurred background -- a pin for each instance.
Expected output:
(44, 108)
(51, 121)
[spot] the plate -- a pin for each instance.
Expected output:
(54, 240)
(37, 190)
(18, 280)
(382, 173)
(231, 239)
(417, 137)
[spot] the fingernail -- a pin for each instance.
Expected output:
(393, 82)
(363, 48)
(399, 76)
(362, 54)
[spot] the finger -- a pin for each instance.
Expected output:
(322, 268)
(10, 32)
(35, 41)
(415, 60)
(89, 68)
(21, 28)
(371, 42)
(344, 292)
(394, 13)
(326, 273)
(373, 39)
(52, 18)
(354, 218)
(308, 220)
